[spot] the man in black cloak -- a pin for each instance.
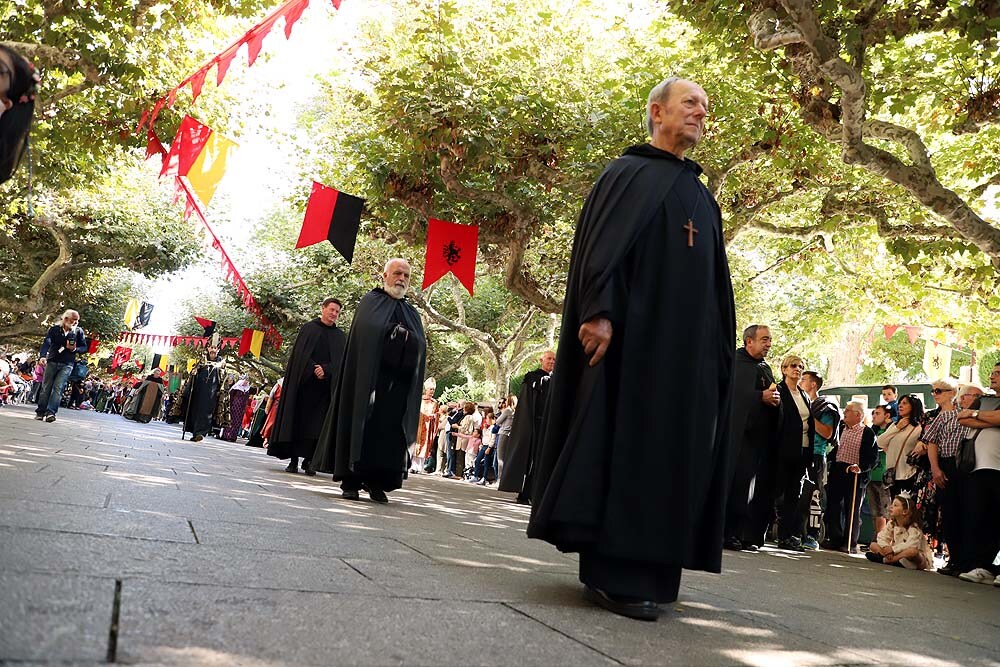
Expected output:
(310, 376)
(631, 473)
(199, 406)
(375, 409)
(526, 431)
(755, 423)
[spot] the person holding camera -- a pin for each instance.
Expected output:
(59, 349)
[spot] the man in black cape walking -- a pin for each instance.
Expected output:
(200, 406)
(310, 376)
(375, 409)
(526, 431)
(632, 473)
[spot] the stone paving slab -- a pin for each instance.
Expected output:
(223, 559)
(165, 622)
(54, 617)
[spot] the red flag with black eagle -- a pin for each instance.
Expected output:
(451, 248)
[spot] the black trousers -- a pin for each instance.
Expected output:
(789, 477)
(948, 500)
(979, 509)
(840, 488)
(748, 463)
(636, 580)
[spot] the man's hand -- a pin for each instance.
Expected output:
(964, 414)
(318, 371)
(770, 397)
(596, 337)
(855, 468)
(940, 479)
(920, 449)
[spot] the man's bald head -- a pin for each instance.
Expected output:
(396, 277)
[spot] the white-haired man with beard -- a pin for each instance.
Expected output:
(376, 407)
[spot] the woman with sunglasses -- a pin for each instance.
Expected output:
(937, 486)
(793, 453)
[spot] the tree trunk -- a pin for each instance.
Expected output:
(846, 357)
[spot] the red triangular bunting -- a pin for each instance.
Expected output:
(197, 82)
(889, 330)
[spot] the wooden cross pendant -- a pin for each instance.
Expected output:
(691, 232)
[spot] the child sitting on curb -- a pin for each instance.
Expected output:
(902, 542)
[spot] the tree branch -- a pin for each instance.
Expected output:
(480, 337)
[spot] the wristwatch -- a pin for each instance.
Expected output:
(975, 414)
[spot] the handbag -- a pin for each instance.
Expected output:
(965, 457)
(80, 372)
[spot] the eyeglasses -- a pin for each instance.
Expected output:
(795, 366)
(938, 392)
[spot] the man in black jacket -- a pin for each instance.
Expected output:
(850, 464)
(756, 415)
(62, 343)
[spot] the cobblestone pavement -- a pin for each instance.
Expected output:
(121, 543)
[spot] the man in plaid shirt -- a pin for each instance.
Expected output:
(852, 460)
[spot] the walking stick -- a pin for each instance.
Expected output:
(850, 524)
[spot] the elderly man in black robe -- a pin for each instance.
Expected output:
(376, 408)
(310, 376)
(628, 475)
(526, 431)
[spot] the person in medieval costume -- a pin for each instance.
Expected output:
(203, 403)
(425, 445)
(633, 474)
(255, 437)
(310, 378)
(522, 446)
(239, 395)
(144, 405)
(375, 411)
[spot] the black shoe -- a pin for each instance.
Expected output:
(349, 495)
(791, 544)
(378, 496)
(308, 472)
(733, 544)
(522, 500)
(751, 547)
(292, 468)
(876, 558)
(197, 438)
(829, 545)
(950, 570)
(50, 418)
(642, 610)
(39, 417)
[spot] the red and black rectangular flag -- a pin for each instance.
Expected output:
(331, 216)
(209, 326)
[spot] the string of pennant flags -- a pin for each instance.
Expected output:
(197, 158)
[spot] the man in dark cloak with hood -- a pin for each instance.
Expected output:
(526, 432)
(202, 403)
(376, 407)
(632, 470)
(310, 376)
(144, 406)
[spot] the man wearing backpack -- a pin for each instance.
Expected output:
(826, 420)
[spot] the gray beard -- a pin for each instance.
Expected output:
(395, 292)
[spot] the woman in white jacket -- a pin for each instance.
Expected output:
(897, 443)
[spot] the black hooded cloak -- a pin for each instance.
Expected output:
(145, 404)
(374, 412)
(633, 461)
(305, 399)
(525, 434)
